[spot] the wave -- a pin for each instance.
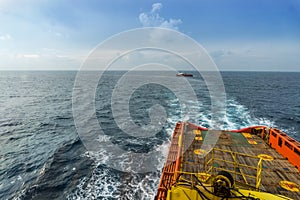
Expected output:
(108, 183)
(72, 173)
(60, 174)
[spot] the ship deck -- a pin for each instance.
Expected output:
(234, 151)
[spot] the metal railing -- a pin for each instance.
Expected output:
(239, 169)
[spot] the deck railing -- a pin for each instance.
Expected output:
(249, 173)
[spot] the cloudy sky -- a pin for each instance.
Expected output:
(243, 35)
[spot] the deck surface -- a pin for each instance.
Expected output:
(273, 172)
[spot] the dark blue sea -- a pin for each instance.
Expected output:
(43, 155)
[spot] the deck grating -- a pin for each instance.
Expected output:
(273, 171)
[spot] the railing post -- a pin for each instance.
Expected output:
(258, 175)
(234, 157)
(177, 163)
(212, 160)
(205, 164)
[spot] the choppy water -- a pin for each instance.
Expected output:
(42, 157)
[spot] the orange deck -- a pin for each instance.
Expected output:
(251, 141)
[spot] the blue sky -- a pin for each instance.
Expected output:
(240, 35)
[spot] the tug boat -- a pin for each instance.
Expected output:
(256, 162)
(184, 74)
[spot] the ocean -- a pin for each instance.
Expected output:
(42, 155)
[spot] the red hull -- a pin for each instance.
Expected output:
(182, 74)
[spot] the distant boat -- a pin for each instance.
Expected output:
(184, 74)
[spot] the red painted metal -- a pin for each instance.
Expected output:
(280, 141)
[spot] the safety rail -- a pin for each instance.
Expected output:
(259, 171)
(285, 145)
(191, 174)
(172, 165)
(238, 168)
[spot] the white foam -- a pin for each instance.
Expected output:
(105, 183)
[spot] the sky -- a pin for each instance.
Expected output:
(239, 35)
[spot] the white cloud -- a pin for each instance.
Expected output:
(171, 23)
(156, 7)
(256, 56)
(153, 19)
(28, 56)
(5, 37)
